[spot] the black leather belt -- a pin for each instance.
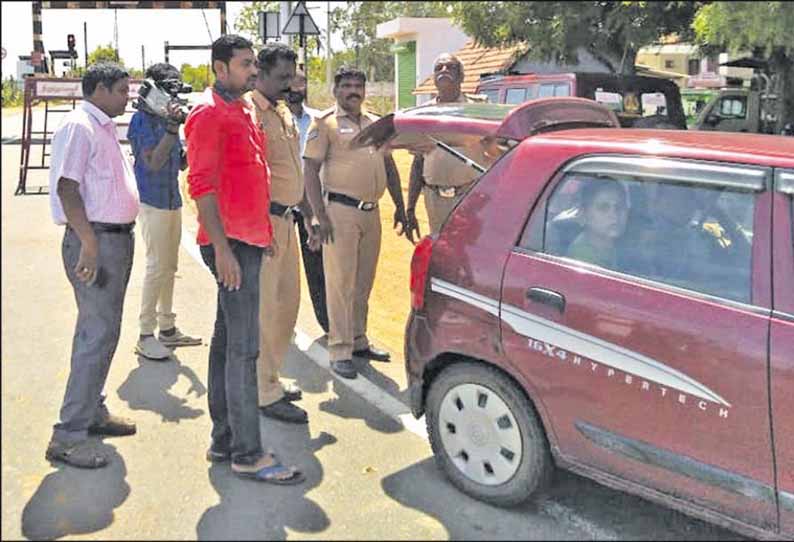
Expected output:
(106, 227)
(281, 210)
(448, 191)
(352, 202)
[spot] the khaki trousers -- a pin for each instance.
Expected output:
(438, 208)
(162, 231)
(279, 301)
(350, 263)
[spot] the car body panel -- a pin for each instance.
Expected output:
(782, 346)
(637, 352)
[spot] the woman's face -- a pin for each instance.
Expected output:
(606, 215)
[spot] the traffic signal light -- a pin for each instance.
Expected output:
(70, 43)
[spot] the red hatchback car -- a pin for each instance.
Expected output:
(616, 302)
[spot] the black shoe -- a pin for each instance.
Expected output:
(214, 456)
(344, 368)
(293, 394)
(285, 411)
(372, 353)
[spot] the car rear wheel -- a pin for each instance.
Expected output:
(486, 436)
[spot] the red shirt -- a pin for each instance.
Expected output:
(226, 153)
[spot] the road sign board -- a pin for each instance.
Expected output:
(301, 22)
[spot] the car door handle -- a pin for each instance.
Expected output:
(547, 297)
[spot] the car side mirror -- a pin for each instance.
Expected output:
(712, 120)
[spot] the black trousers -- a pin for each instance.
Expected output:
(315, 277)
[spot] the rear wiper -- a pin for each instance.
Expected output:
(460, 156)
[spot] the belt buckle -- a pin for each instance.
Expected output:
(366, 205)
(446, 191)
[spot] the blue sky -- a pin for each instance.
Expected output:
(147, 27)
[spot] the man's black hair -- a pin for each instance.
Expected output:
(161, 71)
(106, 73)
(349, 72)
(270, 54)
(223, 48)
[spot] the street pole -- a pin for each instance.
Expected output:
(143, 58)
(85, 42)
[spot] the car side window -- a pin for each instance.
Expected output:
(515, 95)
(690, 236)
(546, 91)
(562, 90)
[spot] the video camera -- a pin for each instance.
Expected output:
(155, 96)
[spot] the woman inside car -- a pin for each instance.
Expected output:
(604, 211)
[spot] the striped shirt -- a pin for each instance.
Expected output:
(86, 149)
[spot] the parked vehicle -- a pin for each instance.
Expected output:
(738, 110)
(638, 101)
(694, 100)
(618, 303)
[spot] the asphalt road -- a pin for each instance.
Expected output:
(370, 472)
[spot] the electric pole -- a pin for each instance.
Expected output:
(328, 68)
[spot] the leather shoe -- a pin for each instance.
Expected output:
(285, 411)
(293, 394)
(344, 368)
(113, 426)
(375, 354)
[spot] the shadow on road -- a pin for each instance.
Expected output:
(347, 404)
(148, 386)
(251, 510)
(72, 501)
(571, 508)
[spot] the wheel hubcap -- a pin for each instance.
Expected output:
(480, 434)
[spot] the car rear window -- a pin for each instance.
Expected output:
(684, 235)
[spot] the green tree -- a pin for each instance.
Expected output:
(762, 28)
(199, 77)
(612, 31)
(104, 53)
(358, 23)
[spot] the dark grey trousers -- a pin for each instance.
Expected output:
(96, 335)
(232, 388)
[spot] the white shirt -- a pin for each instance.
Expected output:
(86, 149)
(303, 121)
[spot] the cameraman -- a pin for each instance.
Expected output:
(158, 159)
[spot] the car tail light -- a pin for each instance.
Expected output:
(420, 264)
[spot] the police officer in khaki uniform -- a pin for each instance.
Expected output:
(442, 178)
(345, 205)
(279, 279)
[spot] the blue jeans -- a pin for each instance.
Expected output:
(96, 334)
(231, 383)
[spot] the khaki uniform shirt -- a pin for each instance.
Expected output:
(283, 149)
(358, 173)
(443, 169)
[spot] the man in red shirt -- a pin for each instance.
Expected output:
(230, 181)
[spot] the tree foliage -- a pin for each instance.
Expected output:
(553, 31)
(199, 77)
(761, 28)
(104, 53)
(358, 23)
